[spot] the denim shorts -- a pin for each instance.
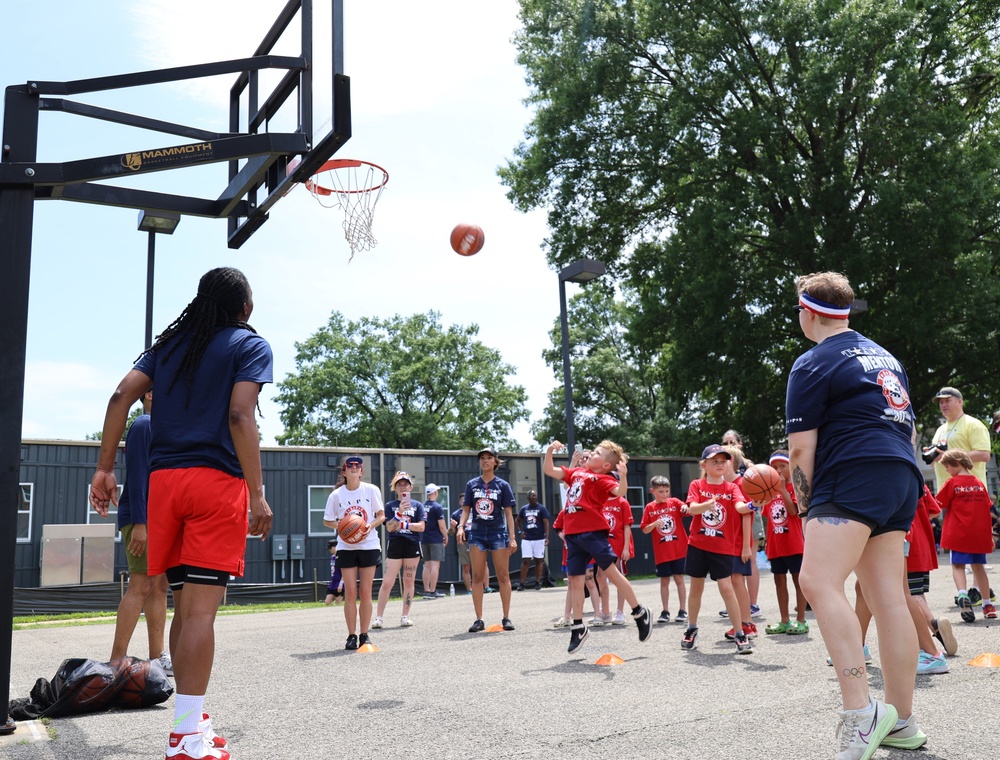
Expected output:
(488, 540)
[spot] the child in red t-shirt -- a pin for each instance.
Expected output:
(921, 557)
(662, 519)
(717, 506)
(784, 548)
(586, 529)
(743, 555)
(968, 528)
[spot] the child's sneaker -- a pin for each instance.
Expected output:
(749, 630)
(861, 732)
(989, 611)
(404, 622)
(743, 644)
(905, 735)
(944, 634)
(619, 618)
(192, 747)
(377, 622)
(352, 642)
(506, 624)
(363, 639)
(931, 664)
(205, 726)
(754, 611)
(643, 622)
(562, 623)
(682, 616)
(478, 626)
(687, 641)
(965, 605)
(664, 617)
(868, 656)
(724, 614)
(975, 597)
(597, 622)
(166, 663)
(576, 637)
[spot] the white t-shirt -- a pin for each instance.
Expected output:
(366, 501)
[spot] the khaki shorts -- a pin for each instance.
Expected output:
(136, 565)
(463, 554)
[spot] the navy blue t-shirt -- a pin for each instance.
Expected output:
(413, 513)
(532, 524)
(135, 492)
(486, 502)
(194, 432)
(856, 395)
(432, 530)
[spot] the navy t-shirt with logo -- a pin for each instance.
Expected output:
(412, 512)
(432, 528)
(532, 524)
(487, 502)
(856, 395)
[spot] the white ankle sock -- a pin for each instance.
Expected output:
(187, 712)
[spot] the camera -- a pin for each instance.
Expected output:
(931, 453)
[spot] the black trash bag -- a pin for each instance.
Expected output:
(82, 686)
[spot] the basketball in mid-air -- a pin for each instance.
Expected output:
(761, 483)
(467, 239)
(351, 528)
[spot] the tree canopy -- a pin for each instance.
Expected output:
(709, 151)
(401, 382)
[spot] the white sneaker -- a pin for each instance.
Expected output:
(205, 726)
(377, 622)
(861, 733)
(597, 622)
(193, 747)
(906, 735)
(166, 663)
(562, 623)
(619, 618)
(405, 622)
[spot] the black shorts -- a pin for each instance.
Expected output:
(919, 583)
(882, 495)
(742, 568)
(347, 558)
(700, 563)
(670, 569)
(790, 564)
(402, 549)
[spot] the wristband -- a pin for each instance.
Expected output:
(406, 524)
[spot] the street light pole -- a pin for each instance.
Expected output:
(153, 222)
(580, 271)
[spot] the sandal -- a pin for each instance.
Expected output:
(777, 628)
(796, 628)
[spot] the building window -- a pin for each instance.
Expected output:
(25, 495)
(317, 506)
(112, 519)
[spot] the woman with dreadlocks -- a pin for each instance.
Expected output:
(207, 369)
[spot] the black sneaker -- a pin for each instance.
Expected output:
(975, 597)
(478, 626)
(743, 644)
(538, 586)
(577, 636)
(363, 639)
(352, 642)
(519, 587)
(664, 617)
(507, 625)
(642, 622)
(965, 605)
(687, 642)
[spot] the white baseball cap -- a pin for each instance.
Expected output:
(431, 488)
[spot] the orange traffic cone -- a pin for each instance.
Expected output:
(987, 660)
(494, 628)
(367, 649)
(609, 659)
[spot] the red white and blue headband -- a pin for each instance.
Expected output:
(822, 308)
(778, 458)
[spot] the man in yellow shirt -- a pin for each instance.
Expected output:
(960, 431)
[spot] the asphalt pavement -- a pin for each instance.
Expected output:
(284, 687)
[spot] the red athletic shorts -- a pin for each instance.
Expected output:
(197, 516)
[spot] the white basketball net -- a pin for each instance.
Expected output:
(354, 187)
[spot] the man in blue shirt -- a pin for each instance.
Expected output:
(533, 522)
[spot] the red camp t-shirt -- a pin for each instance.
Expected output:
(670, 541)
(967, 524)
(618, 513)
(588, 491)
(923, 552)
(716, 530)
(784, 530)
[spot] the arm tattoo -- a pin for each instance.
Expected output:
(801, 484)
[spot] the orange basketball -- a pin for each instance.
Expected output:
(467, 239)
(761, 483)
(351, 528)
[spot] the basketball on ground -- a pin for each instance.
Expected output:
(467, 239)
(761, 483)
(351, 528)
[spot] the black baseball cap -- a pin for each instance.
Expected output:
(354, 460)
(488, 450)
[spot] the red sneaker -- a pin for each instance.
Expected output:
(750, 630)
(192, 747)
(205, 726)
(990, 611)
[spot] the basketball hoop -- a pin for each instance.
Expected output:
(354, 187)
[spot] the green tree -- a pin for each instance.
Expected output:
(709, 151)
(402, 382)
(131, 418)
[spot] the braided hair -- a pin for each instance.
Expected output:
(222, 293)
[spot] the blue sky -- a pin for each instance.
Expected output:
(437, 99)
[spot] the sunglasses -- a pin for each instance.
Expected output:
(797, 308)
(353, 465)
